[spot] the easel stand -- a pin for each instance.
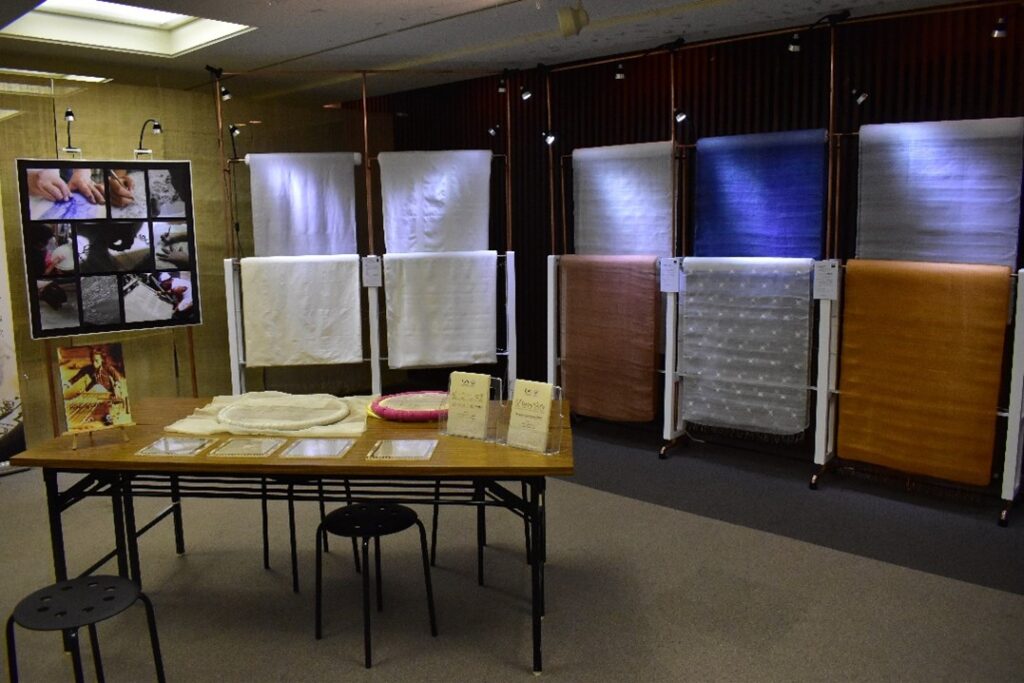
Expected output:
(75, 435)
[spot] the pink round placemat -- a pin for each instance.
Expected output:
(412, 406)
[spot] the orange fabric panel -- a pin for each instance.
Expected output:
(921, 366)
(609, 329)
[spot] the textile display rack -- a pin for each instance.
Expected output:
(372, 281)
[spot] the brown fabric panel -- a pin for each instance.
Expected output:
(921, 365)
(609, 331)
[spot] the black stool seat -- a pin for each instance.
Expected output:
(361, 520)
(67, 606)
(76, 603)
(365, 521)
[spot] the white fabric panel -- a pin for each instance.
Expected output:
(622, 200)
(303, 204)
(744, 343)
(435, 201)
(441, 308)
(945, 191)
(302, 310)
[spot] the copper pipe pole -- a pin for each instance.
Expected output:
(675, 161)
(831, 198)
(836, 245)
(229, 247)
(367, 172)
(551, 170)
(192, 362)
(508, 166)
(561, 183)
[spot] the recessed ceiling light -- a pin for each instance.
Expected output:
(8, 113)
(124, 28)
(29, 73)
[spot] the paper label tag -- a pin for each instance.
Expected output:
(469, 397)
(531, 415)
(372, 273)
(670, 275)
(826, 280)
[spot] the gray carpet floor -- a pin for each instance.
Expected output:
(636, 591)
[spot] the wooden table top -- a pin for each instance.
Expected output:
(453, 456)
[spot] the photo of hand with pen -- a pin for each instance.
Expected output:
(127, 190)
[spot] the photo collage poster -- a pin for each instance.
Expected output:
(109, 245)
(94, 387)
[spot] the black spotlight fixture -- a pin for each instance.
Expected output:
(525, 93)
(225, 94)
(679, 116)
(860, 97)
(494, 130)
(235, 132)
(157, 130)
(831, 19)
(794, 43)
(1000, 30)
(549, 137)
(69, 115)
(501, 86)
(620, 72)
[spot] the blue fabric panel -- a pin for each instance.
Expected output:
(761, 195)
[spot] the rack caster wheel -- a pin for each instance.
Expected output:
(813, 485)
(1004, 518)
(663, 453)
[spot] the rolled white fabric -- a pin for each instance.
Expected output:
(302, 310)
(441, 308)
(744, 343)
(622, 200)
(941, 191)
(435, 201)
(303, 204)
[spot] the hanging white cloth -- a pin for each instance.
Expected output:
(941, 191)
(435, 201)
(744, 343)
(303, 204)
(302, 310)
(622, 200)
(441, 308)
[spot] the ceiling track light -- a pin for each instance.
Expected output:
(1000, 30)
(494, 130)
(525, 93)
(620, 72)
(157, 130)
(571, 20)
(225, 94)
(501, 86)
(830, 19)
(794, 43)
(679, 116)
(549, 137)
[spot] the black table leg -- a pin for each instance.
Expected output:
(117, 507)
(481, 533)
(60, 565)
(131, 531)
(179, 527)
(533, 509)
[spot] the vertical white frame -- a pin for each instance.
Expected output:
(236, 335)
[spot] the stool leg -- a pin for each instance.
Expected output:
(179, 524)
(433, 524)
(154, 639)
(380, 587)
(12, 655)
(355, 543)
(319, 612)
(481, 534)
(323, 512)
(366, 602)
(97, 661)
(266, 529)
(291, 538)
(426, 576)
(76, 656)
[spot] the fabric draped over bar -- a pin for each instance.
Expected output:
(622, 199)
(945, 191)
(435, 201)
(608, 319)
(302, 310)
(303, 204)
(441, 308)
(921, 366)
(744, 343)
(761, 195)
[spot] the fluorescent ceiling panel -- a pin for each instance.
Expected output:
(44, 83)
(8, 113)
(112, 26)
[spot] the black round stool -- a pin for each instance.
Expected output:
(69, 605)
(366, 521)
